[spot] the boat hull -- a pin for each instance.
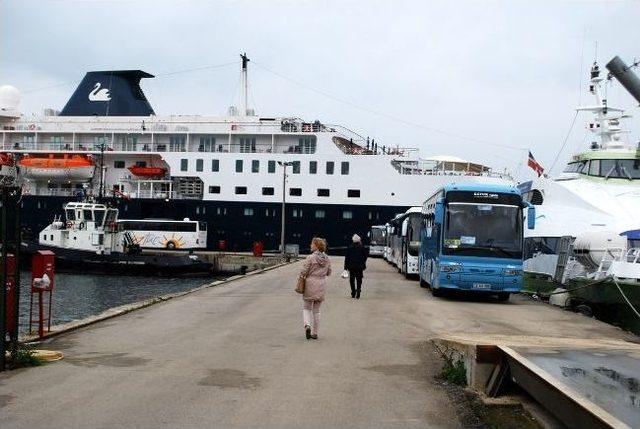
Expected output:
(124, 264)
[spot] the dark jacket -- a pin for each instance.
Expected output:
(356, 258)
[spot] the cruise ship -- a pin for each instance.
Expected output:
(233, 172)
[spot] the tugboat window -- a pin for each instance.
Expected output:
(295, 192)
(71, 215)
(88, 215)
(329, 167)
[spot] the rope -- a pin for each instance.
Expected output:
(564, 143)
(386, 115)
(626, 299)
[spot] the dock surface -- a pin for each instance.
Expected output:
(235, 356)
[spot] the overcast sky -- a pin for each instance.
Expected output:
(449, 77)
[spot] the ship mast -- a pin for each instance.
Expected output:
(245, 86)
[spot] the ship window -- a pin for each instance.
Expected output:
(295, 192)
(329, 167)
(71, 215)
(51, 237)
(215, 165)
(344, 168)
(323, 192)
(177, 144)
(319, 214)
(594, 167)
(267, 191)
(255, 166)
(347, 214)
(248, 212)
(297, 213)
(271, 167)
(142, 164)
(241, 190)
(207, 144)
(306, 145)
(88, 214)
(247, 145)
(620, 168)
(214, 189)
(296, 167)
(99, 216)
(238, 166)
(184, 164)
(199, 164)
(118, 164)
(313, 167)
(353, 193)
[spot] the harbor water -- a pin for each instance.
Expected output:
(77, 296)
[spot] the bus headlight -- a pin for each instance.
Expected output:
(512, 272)
(450, 268)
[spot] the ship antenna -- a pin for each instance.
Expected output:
(245, 85)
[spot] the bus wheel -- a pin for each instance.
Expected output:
(437, 292)
(171, 245)
(423, 283)
(503, 296)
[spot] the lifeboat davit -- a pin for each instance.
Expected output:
(7, 169)
(57, 166)
(148, 172)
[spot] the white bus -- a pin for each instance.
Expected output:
(377, 240)
(166, 234)
(409, 242)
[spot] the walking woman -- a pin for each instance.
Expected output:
(316, 269)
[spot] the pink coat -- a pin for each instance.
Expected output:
(317, 267)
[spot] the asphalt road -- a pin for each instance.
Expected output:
(235, 356)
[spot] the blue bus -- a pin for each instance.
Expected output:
(472, 239)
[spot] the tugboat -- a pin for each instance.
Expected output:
(89, 240)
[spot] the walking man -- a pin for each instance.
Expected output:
(356, 262)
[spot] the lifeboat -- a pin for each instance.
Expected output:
(148, 172)
(54, 166)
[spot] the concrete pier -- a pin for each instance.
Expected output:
(235, 356)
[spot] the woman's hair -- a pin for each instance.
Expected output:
(320, 243)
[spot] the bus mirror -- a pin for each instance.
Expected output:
(438, 212)
(531, 217)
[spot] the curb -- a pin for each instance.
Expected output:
(128, 308)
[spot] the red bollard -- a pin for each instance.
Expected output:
(258, 247)
(222, 245)
(42, 274)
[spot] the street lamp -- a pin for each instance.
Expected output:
(284, 166)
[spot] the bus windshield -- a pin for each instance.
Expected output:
(377, 236)
(483, 230)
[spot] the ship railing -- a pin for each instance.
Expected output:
(57, 192)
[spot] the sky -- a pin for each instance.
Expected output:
(482, 80)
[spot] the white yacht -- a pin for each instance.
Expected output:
(598, 194)
(227, 171)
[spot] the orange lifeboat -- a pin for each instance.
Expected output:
(6, 159)
(57, 166)
(148, 172)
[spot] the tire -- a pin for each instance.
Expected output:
(437, 292)
(503, 296)
(423, 284)
(171, 245)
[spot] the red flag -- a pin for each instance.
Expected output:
(535, 165)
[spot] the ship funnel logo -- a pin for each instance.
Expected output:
(98, 94)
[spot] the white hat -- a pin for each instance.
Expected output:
(356, 238)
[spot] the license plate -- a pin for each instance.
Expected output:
(481, 286)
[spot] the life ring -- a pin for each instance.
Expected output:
(69, 224)
(32, 127)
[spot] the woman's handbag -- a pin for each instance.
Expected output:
(300, 285)
(345, 274)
